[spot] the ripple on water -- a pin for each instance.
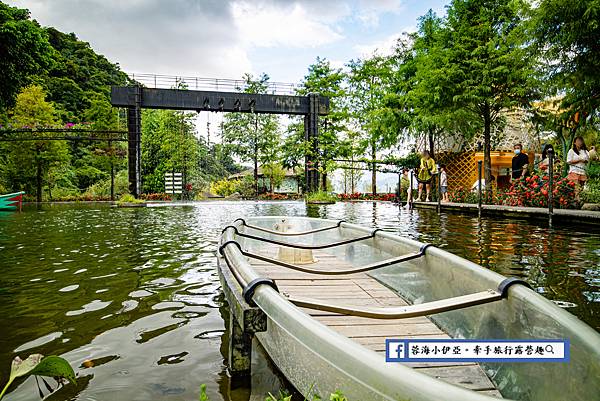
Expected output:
(209, 334)
(168, 305)
(95, 305)
(172, 359)
(170, 252)
(39, 341)
(128, 306)
(140, 294)
(69, 288)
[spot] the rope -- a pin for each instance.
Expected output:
(289, 234)
(372, 266)
(302, 246)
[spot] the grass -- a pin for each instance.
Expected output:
(128, 198)
(320, 197)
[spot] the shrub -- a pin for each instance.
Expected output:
(320, 196)
(533, 192)
(274, 196)
(245, 186)
(591, 193)
(223, 187)
(101, 189)
(462, 195)
(593, 171)
(367, 196)
(128, 198)
(156, 197)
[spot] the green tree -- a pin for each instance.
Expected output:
(369, 82)
(24, 52)
(169, 144)
(78, 75)
(567, 34)
(485, 64)
(327, 81)
(111, 155)
(33, 161)
(253, 137)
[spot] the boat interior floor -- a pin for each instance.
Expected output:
(360, 289)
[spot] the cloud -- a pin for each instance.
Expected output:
(215, 38)
(384, 46)
(368, 11)
(184, 37)
(283, 24)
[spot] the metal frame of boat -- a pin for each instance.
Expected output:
(11, 201)
(462, 298)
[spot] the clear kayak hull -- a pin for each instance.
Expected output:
(317, 359)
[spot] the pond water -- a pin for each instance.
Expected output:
(131, 297)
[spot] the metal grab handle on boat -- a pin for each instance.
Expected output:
(303, 246)
(403, 312)
(424, 309)
(372, 266)
(318, 230)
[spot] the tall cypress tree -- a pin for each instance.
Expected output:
(486, 61)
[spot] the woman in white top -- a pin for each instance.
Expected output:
(578, 158)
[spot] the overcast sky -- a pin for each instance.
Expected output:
(226, 38)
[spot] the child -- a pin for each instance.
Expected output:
(444, 183)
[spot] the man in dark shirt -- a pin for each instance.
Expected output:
(520, 163)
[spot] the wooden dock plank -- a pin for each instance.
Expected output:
(361, 290)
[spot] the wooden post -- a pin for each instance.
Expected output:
(410, 189)
(240, 349)
(550, 186)
(479, 165)
(439, 182)
(399, 189)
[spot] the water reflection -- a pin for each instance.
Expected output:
(131, 296)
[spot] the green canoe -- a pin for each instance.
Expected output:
(11, 201)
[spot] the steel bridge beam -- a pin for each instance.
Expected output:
(135, 98)
(178, 99)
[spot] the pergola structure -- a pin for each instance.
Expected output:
(135, 98)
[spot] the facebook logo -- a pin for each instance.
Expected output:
(395, 350)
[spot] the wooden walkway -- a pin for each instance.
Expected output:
(363, 290)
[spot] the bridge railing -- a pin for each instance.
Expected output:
(208, 84)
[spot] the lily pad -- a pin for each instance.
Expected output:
(37, 364)
(53, 366)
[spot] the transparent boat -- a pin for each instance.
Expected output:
(317, 358)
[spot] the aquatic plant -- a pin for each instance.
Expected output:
(203, 396)
(320, 197)
(128, 198)
(39, 365)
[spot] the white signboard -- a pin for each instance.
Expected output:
(173, 183)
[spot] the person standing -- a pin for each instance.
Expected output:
(520, 163)
(444, 183)
(404, 182)
(426, 171)
(578, 158)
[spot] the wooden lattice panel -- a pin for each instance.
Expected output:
(460, 167)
